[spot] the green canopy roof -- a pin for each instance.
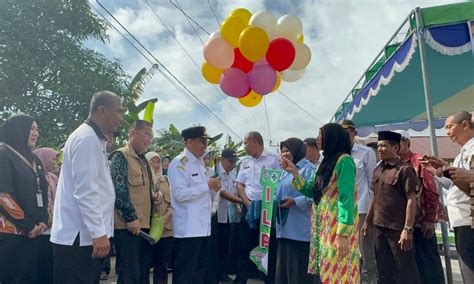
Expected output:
(445, 14)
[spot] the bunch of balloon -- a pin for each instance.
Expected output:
(250, 54)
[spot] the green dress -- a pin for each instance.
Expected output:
(336, 214)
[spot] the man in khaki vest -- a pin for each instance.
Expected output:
(133, 182)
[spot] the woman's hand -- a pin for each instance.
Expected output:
(342, 246)
(288, 165)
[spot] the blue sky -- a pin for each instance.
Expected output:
(344, 37)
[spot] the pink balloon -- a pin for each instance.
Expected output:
(262, 79)
(234, 82)
(219, 53)
(262, 61)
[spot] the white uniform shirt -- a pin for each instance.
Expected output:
(190, 196)
(228, 185)
(459, 210)
(249, 173)
(85, 196)
(365, 161)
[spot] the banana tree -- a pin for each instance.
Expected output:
(134, 91)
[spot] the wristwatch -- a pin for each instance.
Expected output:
(408, 229)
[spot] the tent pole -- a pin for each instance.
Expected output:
(434, 146)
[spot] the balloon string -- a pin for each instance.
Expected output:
(268, 122)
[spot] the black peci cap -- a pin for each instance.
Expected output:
(390, 136)
(194, 132)
(229, 154)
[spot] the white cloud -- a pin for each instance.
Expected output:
(344, 37)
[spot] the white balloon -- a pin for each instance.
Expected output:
(265, 20)
(214, 34)
(302, 57)
(290, 26)
(292, 75)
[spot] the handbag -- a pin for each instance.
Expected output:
(157, 225)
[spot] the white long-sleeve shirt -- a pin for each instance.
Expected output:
(365, 161)
(190, 196)
(85, 195)
(459, 210)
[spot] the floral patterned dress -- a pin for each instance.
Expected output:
(336, 214)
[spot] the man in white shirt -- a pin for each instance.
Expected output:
(365, 162)
(249, 189)
(191, 203)
(312, 151)
(460, 129)
(227, 212)
(84, 203)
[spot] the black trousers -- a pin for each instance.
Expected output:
(248, 238)
(213, 253)
(45, 266)
(224, 248)
(191, 260)
(292, 263)
(394, 265)
(161, 260)
(134, 255)
(233, 248)
(428, 260)
(19, 256)
(464, 238)
(74, 264)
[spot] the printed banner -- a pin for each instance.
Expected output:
(269, 179)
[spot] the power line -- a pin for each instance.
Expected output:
(301, 108)
(214, 12)
(189, 22)
(187, 16)
(170, 73)
(189, 55)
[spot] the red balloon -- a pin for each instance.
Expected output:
(280, 54)
(241, 62)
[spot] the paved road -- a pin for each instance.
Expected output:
(454, 263)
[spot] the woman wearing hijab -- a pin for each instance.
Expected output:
(334, 253)
(163, 249)
(23, 201)
(48, 158)
(293, 226)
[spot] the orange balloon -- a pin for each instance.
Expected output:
(278, 82)
(210, 73)
(251, 100)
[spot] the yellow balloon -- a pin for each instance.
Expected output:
(253, 43)
(231, 29)
(210, 73)
(300, 39)
(278, 82)
(242, 13)
(251, 100)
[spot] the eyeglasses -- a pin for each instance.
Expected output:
(146, 135)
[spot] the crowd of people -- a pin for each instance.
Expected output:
(343, 213)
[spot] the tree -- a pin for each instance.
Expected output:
(46, 71)
(169, 143)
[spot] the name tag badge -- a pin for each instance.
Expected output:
(39, 200)
(194, 175)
